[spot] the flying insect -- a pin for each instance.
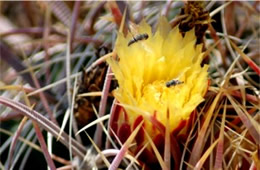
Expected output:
(137, 38)
(173, 82)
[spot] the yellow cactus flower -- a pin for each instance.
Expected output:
(158, 75)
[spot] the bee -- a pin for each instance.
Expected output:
(173, 82)
(137, 38)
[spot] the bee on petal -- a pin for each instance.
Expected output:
(173, 82)
(137, 38)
